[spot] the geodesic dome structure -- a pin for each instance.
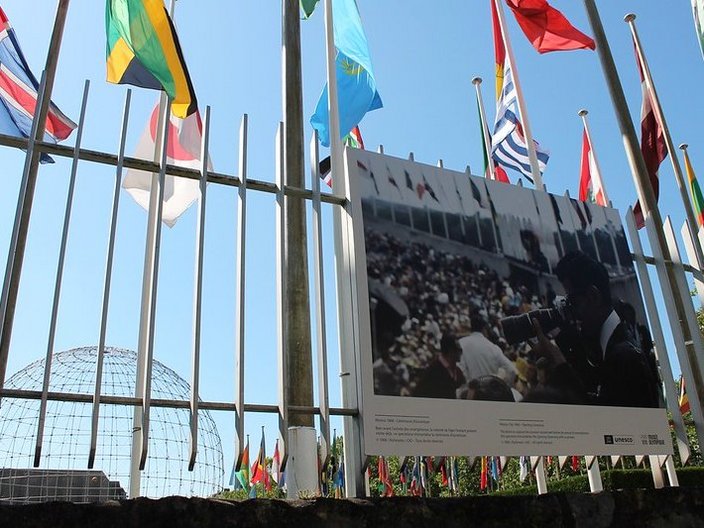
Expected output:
(67, 430)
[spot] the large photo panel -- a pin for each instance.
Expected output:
(497, 319)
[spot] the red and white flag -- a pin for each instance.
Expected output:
(276, 465)
(652, 141)
(590, 187)
(184, 144)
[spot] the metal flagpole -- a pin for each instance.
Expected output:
(145, 319)
(532, 154)
(644, 187)
(59, 279)
(477, 81)
(354, 463)
(336, 145)
(25, 200)
(297, 345)
(674, 159)
(583, 114)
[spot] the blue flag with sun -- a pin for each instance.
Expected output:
(356, 87)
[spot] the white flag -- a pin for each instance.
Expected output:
(183, 150)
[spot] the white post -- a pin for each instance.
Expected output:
(593, 474)
(656, 471)
(540, 478)
(532, 154)
(477, 81)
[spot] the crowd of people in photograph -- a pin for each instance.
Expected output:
(449, 342)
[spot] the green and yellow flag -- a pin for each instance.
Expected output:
(697, 199)
(308, 6)
(143, 50)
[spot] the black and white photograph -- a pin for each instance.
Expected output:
(483, 291)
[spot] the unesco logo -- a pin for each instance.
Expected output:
(611, 439)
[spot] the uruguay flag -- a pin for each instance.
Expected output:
(509, 147)
(18, 93)
(356, 87)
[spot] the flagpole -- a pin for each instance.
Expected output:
(477, 81)
(336, 146)
(532, 154)
(674, 159)
(25, 200)
(355, 482)
(145, 319)
(583, 114)
(297, 345)
(641, 179)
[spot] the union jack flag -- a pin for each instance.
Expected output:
(18, 93)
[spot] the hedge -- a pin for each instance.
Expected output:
(613, 479)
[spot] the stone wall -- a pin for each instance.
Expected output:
(671, 508)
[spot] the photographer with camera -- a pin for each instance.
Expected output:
(602, 363)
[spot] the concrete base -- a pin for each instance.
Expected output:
(301, 473)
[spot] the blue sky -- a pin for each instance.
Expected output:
(424, 54)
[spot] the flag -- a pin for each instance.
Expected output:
(486, 143)
(353, 140)
(546, 28)
(652, 141)
(525, 468)
(483, 477)
(444, 477)
(356, 87)
(416, 486)
(276, 465)
(556, 209)
(243, 464)
(683, 399)
(580, 213)
(259, 473)
(409, 183)
(454, 475)
(575, 463)
(340, 480)
(477, 195)
(698, 12)
(509, 148)
(18, 94)
(697, 199)
(184, 145)
(143, 50)
(385, 487)
(420, 190)
(590, 189)
(391, 179)
(429, 189)
(308, 6)
(495, 469)
(233, 475)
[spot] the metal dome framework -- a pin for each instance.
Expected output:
(68, 426)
